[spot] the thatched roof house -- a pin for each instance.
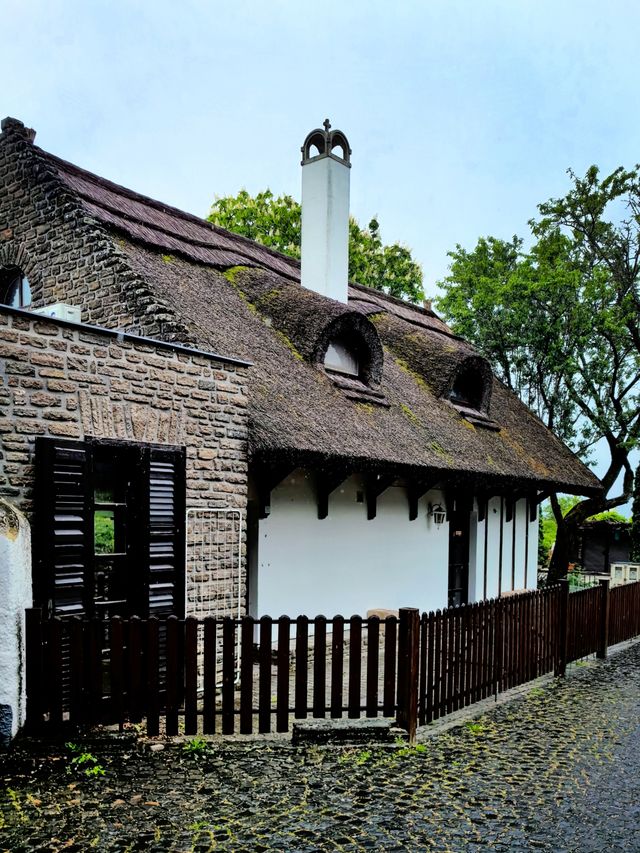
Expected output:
(421, 409)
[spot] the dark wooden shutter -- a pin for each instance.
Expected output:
(163, 530)
(63, 527)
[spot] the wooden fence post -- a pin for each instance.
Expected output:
(563, 629)
(603, 640)
(408, 657)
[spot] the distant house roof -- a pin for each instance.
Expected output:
(236, 296)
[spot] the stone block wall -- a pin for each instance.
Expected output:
(65, 380)
(64, 253)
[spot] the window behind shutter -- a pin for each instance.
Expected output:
(163, 530)
(63, 530)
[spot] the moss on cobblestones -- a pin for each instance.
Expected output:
(553, 770)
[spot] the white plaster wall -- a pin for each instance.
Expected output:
(344, 564)
(507, 545)
(532, 565)
(15, 596)
(521, 521)
(523, 551)
(493, 547)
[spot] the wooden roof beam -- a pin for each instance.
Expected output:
(268, 477)
(375, 485)
(415, 490)
(327, 482)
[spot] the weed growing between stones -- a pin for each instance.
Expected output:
(196, 747)
(84, 762)
(352, 756)
(411, 750)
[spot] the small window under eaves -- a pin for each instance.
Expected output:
(341, 359)
(14, 288)
(467, 389)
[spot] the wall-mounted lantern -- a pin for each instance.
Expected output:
(437, 514)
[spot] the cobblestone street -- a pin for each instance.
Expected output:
(556, 769)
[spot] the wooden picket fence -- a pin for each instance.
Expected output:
(247, 675)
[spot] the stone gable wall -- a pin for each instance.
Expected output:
(69, 382)
(66, 255)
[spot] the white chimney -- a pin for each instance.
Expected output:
(325, 212)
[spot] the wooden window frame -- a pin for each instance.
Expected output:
(64, 509)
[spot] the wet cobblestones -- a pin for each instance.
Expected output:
(554, 770)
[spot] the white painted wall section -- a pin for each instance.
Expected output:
(345, 564)
(521, 521)
(532, 550)
(493, 546)
(15, 596)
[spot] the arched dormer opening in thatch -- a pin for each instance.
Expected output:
(349, 346)
(471, 385)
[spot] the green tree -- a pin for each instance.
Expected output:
(276, 222)
(559, 323)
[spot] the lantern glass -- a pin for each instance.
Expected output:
(438, 514)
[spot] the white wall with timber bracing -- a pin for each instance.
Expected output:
(345, 564)
(503, 554)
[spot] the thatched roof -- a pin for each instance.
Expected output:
(240, 298)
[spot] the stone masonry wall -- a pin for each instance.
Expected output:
(68, 381)
(64, 253)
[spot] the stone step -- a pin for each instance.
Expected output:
(360, 731)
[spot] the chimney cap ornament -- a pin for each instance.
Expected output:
(323, 142)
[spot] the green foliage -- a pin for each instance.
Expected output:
(560, 323)
(577, 581)
(84, 762)
(273, 222)
(548, 526)
(411, 749)
(609, 515)
(196, 747)
(358, 757)
(103, 532)
(276, 222)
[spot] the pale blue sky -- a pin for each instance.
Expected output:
(462, 116)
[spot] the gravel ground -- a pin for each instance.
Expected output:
(555, 769)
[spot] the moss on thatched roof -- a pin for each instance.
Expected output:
(238, 297)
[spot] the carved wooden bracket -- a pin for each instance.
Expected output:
(375, 485)
(327, 482)
(268, 477)
(415, 490)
